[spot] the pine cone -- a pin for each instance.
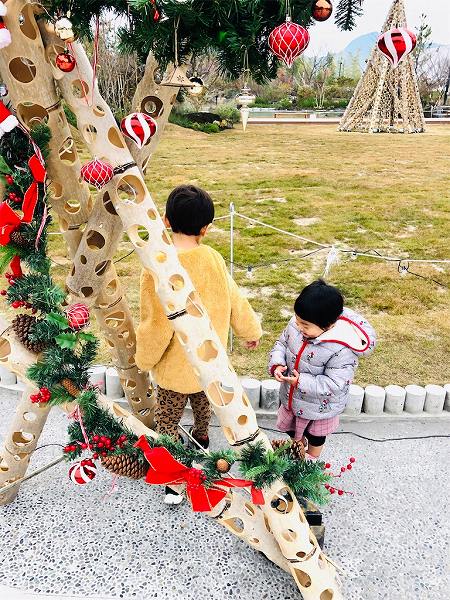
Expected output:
(124, 465)
(23, 325)
(20, 240)
(70, 387)
(294, 448)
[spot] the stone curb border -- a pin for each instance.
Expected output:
(364, 403)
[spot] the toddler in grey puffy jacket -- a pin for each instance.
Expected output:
(315, 359)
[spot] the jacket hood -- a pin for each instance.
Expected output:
(350, 333)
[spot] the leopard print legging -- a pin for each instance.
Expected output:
(170, 407)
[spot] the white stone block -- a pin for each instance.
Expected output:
(415, 399)
(395, 399)
(447, 396)
(435, 399)
(7, 378)
(113, 386)
(374, 397)
(252, 387)
(97, 377)
(270, 394)
(355, 400)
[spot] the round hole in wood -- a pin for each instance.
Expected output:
(166, 237)
(289, 535)
(302, 517)
(115, 319)
(254, 541)
(302, 578)
(83, 259)
(193, 305)
(177, 282)
(266, 523)
(22, 438)
(22, 69)
(27, 22)
(95, 240)
(229, 435)
(67, 152)
(153, 106)
(242, 420)
(282, 501)
(80, 88)
(245, 400)
(249, 509)
(31, 114)
(182, 338)
(5, 349)
(130, 384)
(72, 206)
(111, 288)
(161, 257)
(327, 595)
(108, 204)
(89, 133)
(131, 188)
(124, 335)
(236, 524)
(207, 351)
(86, 291)
(139, 235)
(98, 111)
(29, 416)
(218, 395)
(56, 190)
(4, 468)
(301, 554)
(170, 307)
(152, 214)
(115, 138)
(102, 267)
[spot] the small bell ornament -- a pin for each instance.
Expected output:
(64, 30)
(321, 10)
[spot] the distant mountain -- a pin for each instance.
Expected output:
(360, 48)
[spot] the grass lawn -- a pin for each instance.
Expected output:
(385, 192)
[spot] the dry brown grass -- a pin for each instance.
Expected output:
(383, 192)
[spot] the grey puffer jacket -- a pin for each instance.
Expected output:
(326, 365)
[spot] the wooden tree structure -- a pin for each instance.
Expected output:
(386, 99)
(92, 229)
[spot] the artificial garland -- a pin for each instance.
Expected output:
(65, 352)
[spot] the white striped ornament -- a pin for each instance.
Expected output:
(82, 472)
(396, 44)
(139, 127)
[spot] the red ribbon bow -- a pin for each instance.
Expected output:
(164, 469)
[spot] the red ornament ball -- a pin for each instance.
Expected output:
(83, 472)
(97, 173)
(78, 316)
(396, 44)
(65, 62)
(289, 40)
(321, 10)
(139, 127)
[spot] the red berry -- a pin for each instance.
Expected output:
(340, 492)
(332, 490)
(327, 466)
(103, 438)
(327, 486)
(100, 444)
(9, 180)
(349, 467)
(16, 304)
(66, 449)
(104, 453)
(95, 455)
(352, 460)
(34, 311)
(3, 292)
(11, 195)
(342, 469)
(84, 446)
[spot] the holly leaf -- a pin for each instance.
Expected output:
(4, 169)
(66, 340)
(57, 319)
(87, 337)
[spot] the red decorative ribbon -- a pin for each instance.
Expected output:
(164, 469)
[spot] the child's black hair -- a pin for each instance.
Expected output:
(189, 209)
(319, 303)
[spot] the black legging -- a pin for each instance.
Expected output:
(314, 440)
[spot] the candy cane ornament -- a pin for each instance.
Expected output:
(396, 44)
(82, 472)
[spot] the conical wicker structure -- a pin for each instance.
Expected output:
(125, 465)
(386, 99)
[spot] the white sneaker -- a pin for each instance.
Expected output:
(173, 498)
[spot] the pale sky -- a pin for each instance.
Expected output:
(327, 37)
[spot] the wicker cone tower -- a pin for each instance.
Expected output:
(386, 99)
(130, 199)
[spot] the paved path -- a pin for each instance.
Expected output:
(70, 542)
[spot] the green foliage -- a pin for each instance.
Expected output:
(70, 116)
(39, 290)
(228, 112)
(222, 27)
(183, 121)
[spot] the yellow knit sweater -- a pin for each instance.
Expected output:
(159, 351)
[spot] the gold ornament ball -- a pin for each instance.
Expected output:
(223, 466)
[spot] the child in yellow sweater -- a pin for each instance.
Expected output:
(189, 212)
